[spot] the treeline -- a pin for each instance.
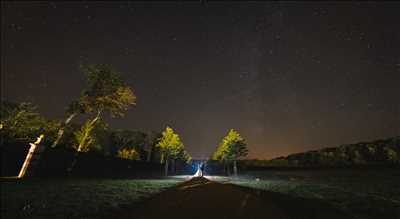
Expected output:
(379, 152)
(105, 93)
(22, 124)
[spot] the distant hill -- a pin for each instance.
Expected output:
(377, 152)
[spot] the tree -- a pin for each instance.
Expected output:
(230, 149)
(132, 140)
(21, 122)
(171, 147)
(391, 155)
(105, 93)
(73, 110)
(151, 143)
(130, 154)
(185, 156)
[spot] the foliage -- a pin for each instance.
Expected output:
(127, 153)
(92, 136)
(154, 153)
(186, 157)
(105, 91)
(128, 139)
(84, 137)
(170, 144)
(231, 147)
(392, 155)
(385, 151)
(22, 122)
(8, 108)
(102, 135)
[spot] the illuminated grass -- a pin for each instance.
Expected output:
(84, 198)
(363, 194)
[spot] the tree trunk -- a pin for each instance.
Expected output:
(74, 161)
(174, 166)
(33, 148)
(225, 170)
(235, 168)
(34, 154)
(82, 142)
(166, 167)
(149, 154)
(61, 131)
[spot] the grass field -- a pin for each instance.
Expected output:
(361, 193)
(75, 198)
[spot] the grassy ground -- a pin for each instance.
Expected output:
(74, 198)
(360, 193)
(200, 198)
(366, 194)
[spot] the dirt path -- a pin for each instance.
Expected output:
(201, 198)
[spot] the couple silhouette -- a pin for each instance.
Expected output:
(200, 170)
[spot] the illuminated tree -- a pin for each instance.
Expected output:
(171, 147)
(185, 156)
(127, 139)
(74, 108)
(22, 122)
(127, 153)
(230, 149)
(84, 137)
(105, 93)
(392, 155)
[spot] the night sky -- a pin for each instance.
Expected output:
(289, 77)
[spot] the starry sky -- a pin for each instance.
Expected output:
(289, 77)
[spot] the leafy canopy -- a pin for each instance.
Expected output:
(170, 144)
(130, 154)
(105, 91)
(22, 122)
(84, 137)
(129, 139)
(231, 147)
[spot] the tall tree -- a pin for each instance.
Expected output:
(75, 108)
(105, 93)
(151, 142)
(153, 151)
(171, 147)
(231, 148)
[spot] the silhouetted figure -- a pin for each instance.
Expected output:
(201, 169)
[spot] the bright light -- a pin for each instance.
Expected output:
(181, 177)
(28, 158)
(198, 172)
